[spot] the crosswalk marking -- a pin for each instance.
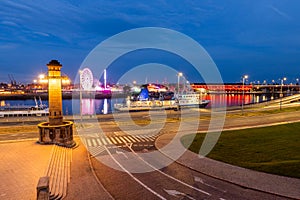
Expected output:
(153, 137)
(104, 141)
(89, 143)
(138, 132)
(142, 139)
(143, 136)
(119, 141)
(94, 142)
(132, 139)
(108, 141)
(96, 150)
(135, 139)
(100, 141)
(113, 140)
(126, 139)
(121, 138)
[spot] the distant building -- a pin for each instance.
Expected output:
(227, 87)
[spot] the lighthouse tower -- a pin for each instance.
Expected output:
(54, 92)
(56, 130)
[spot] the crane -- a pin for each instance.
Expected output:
(12, 80)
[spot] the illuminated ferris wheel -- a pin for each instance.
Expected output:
(86, 79)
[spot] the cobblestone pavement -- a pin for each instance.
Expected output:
(22, 164)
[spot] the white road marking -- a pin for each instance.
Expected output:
(89, 142)
(108, 140)
(176, 193)
(126, 139)
(142, 139)
(113, 140)
(167, 175)
(148, 137)
(103, 141)
(134, 178)
(94, 143)
(198, 179)
(99, 141)
(119, 141)
(132, 138)
(122, 153)
(153, 137)
(96, 150)
(136, 138)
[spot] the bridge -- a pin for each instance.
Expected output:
(247, 88)
(283, 101)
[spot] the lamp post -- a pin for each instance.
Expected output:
(243, 97)
(80, 94)
(273, 83)
(297, 79)
(178, 79)
(281, 94)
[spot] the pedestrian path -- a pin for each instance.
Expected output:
(58, 171)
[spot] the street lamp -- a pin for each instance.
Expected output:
(178, 79)
(41, 76)
(243, 97)
(80, 94)
(281, 94)
(297, 79)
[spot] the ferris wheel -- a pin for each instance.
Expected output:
(86, 79)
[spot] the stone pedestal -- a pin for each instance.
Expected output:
(61, 135)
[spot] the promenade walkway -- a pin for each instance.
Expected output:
(24, 162)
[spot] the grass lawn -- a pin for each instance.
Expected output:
(274, 149)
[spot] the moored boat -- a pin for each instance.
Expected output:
(26, 110)
(191, 99)
(155, 100)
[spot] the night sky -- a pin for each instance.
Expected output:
(258, 38)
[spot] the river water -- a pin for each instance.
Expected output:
(104, 106)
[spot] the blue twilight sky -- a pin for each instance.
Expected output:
(258, 38)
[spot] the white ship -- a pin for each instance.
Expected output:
(149, 100)
(30, 110)
(191, 99)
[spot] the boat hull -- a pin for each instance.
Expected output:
(14, 113)
(135, 106)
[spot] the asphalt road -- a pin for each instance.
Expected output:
(173, 181)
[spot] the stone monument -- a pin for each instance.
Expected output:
(56, 130)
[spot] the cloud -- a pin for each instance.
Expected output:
(16, 6)
(279, 12)
(41, 34)
(8, 46)
(9, 23)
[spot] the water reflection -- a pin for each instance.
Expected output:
(235, 99)
(105, 106)
(88, 106)
(95, 106)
